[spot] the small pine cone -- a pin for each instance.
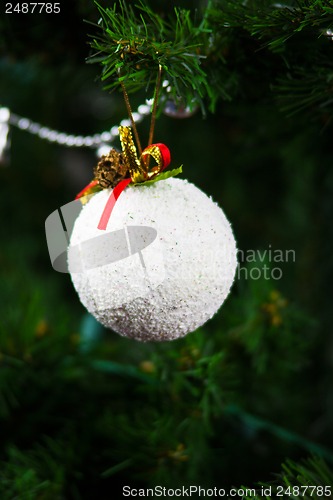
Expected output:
(111, 169)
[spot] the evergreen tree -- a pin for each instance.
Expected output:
(83, 411)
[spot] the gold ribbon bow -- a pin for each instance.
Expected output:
(139, 167)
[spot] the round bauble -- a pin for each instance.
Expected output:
(163, 266)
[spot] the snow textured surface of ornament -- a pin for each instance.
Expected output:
(165, 264)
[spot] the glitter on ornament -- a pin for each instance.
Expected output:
(166, 277)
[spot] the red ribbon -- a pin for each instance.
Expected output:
(165, 152)
(116, 192)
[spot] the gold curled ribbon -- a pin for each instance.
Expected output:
(129, 152)
(154, 151)
(138, 168)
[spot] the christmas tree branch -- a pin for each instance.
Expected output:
(138, 43)
(292, 43)
(272, 22)
(310, 478)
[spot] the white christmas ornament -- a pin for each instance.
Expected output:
(163, 266)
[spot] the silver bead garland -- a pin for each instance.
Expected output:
(91, 141)
(101, 142)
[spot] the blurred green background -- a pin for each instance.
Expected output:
(83, 411)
